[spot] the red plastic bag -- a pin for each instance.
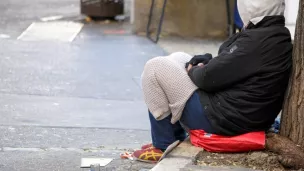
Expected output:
(226, 144)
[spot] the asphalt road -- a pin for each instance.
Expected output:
(61, 101)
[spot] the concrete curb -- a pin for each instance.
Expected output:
(179, 158)
(182, 158)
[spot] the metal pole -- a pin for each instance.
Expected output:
(132, 12)
(161, 20)
(230, 26)
(150, 18)
(160, 24)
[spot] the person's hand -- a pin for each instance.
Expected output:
(200, 59)
(189, 67)
(200, 65)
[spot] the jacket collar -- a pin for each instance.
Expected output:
(268, 21)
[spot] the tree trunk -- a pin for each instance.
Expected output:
(292, 125)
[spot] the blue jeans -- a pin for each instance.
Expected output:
(164, 133)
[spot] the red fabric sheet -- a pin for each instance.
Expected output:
(228, 144)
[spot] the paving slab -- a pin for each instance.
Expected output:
(179, 158)
(191, 46)
(183, 157)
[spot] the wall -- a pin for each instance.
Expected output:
(186, 18)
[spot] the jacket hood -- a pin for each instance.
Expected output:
(255, 10)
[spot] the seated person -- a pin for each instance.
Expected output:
(239, 91)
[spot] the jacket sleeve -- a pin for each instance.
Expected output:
(235, 63)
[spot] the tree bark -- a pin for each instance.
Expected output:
(290, 155)
(292, 125)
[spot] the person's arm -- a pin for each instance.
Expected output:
(234, 64)
(228, 42)
(199, 59)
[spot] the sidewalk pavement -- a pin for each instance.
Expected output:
(190, 46)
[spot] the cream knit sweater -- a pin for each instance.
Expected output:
(167, 86)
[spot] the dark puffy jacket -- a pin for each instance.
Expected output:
(242, 89)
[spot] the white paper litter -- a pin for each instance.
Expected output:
(4, 36)
(51, 18)
(87, 162)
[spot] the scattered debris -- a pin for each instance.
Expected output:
(120, 17)
(11, 129)
(115, 32)
(88, 19)
(87, 162)
(126, 155)
(95, 167)
(107, 21)
(4, 36)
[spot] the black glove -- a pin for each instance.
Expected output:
(199, 59)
